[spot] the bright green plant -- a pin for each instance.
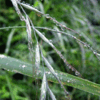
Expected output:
(40, 71)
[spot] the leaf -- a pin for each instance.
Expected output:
(12, 64)
(30, 7)
(28, 29)
(51, 94)
(43, 88)
(14, 2)
(9, 41)
(37, 56)
(55, 74)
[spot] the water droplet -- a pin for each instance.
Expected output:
(77, 73)
(50, 40)
(73, 69)
(62, 29)
(68, 81)
(22, 18)
(74, 37)
(8, 70)
(56, 73)
(69, 66)
(47, 16)
(47, 72)
(57, 24)
(23, 66)
(2, 56)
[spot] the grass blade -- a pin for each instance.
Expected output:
(58, 52)
(43, 88)
(51, 94)
(54, 73)
(9, 41)
(14, 2)
(37, 56)
(16, 65)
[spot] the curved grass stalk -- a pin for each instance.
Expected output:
(57, 51)
(53, 72)
(15, 65)
(85, 44)
(37, 56)
(47, 16)
(43, 88)
(40, 71)
(18, 10)
(51, 94)
(9, 41)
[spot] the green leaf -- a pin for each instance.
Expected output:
(15, 65)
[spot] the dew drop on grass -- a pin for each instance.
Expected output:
(94, 52)
(2, 56)
(77, 73)
(23, 66)
(50, 40)
(69, 66)
(43, 88)
(62, 29)
(73, 69)
(37, 56)
(8, 70)
(47, 16)
(68, 81)
(85, 45)
(48, 73)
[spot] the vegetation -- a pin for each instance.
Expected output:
(61, 35)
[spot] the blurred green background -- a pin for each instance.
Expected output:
(82, 16)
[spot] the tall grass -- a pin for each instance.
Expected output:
(37, 52)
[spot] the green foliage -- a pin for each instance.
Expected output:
(81, 16)
(65, 78)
